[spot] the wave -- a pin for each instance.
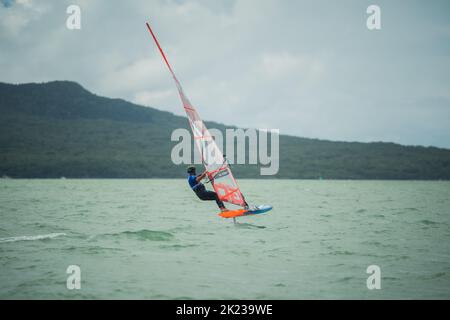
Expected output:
(429, 222)
(92, 249)
(433, 276)
(438, 275)
(177, 246)
(344, 279)
(342, 253)
(32, 238)
(145, 235)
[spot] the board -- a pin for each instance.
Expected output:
(244, 212)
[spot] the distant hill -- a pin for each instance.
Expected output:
(59, 129)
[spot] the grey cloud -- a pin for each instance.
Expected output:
(7, 3)
(309, 68)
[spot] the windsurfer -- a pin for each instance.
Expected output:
(200, 190)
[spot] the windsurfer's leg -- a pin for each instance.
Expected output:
(211, 195)
(219, 202)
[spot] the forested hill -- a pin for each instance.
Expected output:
(60, 129)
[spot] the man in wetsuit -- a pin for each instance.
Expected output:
(200, 190)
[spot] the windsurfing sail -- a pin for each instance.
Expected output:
(218, 170)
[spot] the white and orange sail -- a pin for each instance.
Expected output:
(218, 170)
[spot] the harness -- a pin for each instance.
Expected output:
(197, 187)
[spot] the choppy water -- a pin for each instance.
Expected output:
(152, 239)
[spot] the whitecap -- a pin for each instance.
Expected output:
(31, 238)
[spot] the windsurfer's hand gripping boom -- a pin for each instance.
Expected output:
(201, 176)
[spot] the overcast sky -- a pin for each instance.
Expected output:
(308, 68)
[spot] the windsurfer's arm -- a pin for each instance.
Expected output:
(201, 176)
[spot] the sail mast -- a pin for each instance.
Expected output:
(218, 170)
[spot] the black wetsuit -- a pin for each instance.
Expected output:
(201, 191)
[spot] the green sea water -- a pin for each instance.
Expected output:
(153, 239)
